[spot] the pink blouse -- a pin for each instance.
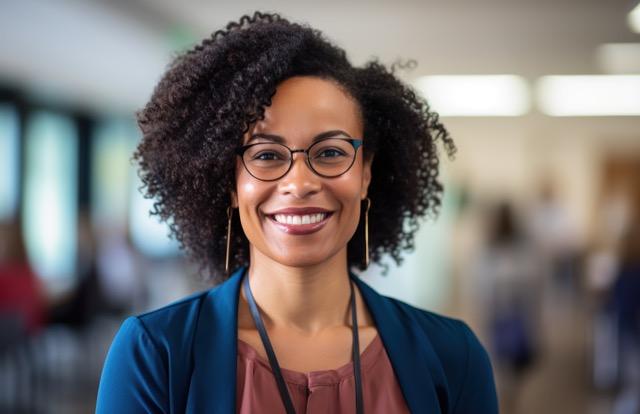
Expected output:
(325, 391)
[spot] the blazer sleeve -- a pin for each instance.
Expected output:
(478, 392)
(134, 375)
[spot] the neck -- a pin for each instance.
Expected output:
(306, 299)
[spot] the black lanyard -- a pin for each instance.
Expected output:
(282, 387)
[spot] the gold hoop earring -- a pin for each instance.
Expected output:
(226, 258)
(366, 233)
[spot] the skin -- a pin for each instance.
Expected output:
(299, 282)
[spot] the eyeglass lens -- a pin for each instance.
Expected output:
(270, 161)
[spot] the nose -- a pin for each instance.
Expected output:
(300, 181)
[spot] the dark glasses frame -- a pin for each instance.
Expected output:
(356, 143)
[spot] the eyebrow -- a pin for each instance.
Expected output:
(280, 140)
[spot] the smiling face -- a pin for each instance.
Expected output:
(303, 219)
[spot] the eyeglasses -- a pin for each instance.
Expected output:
(270, 161)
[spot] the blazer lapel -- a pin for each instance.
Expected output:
(414, 361)
(213, 382)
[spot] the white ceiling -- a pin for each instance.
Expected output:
(110, 54)
(529, 37)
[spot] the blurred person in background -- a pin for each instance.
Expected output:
(510, 285)
(22, 298)
(117, 264)
(625, 301)
(80, 305)
(23, 307)
(554, 235)
(366, 172)
(607, 271)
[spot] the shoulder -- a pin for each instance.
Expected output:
(175, 318)
(159, 325)
(167, 331)
(170, 331)
(147, 348)
(464, 360)
(450, 337)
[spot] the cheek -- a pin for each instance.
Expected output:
(348, 192)
(247, 191)
(350, 200)
(251, 194)
(350, 186)
(247, 187)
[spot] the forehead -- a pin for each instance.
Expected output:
(304, 106)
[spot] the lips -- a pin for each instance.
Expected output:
(300, 221)
(299, 211)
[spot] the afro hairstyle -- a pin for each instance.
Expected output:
(210, 95)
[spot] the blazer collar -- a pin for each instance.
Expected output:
(213, 382)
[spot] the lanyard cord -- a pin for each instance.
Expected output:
(356, 353)
(273, 361)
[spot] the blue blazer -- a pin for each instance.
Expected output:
(182, 357)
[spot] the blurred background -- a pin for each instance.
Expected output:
(537, 245)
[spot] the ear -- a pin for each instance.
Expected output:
(366, 177)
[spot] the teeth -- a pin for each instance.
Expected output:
(297, 220)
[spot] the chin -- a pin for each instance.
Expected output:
(304, 257)
(302, 260)
(301, 253)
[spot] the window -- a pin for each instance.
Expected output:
(50, 198)
(115, 190)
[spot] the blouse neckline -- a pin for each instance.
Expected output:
(319, 377)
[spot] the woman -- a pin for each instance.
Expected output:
(273, 155)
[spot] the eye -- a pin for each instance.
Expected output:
(266, 156)
(330, 153)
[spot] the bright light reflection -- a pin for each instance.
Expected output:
(634, 19)
(589, 95)
(148, 233)
(476, 95)
(50, 198)
(112, 148)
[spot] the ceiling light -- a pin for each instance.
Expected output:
(475, 95)
(589, 95)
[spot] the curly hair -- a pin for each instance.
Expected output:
(211, 94)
